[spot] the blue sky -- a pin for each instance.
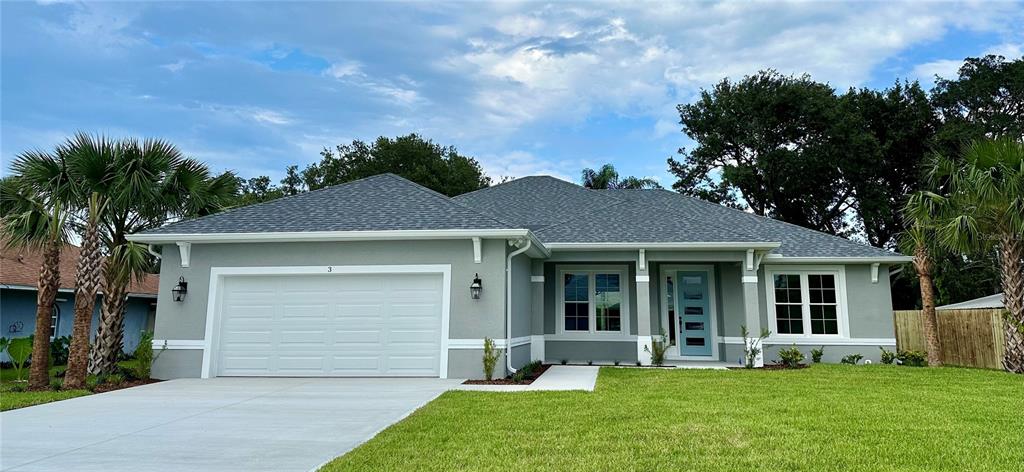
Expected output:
(526, 88)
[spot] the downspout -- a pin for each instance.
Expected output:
(149, 247)
(508, 303)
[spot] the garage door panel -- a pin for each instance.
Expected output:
(334, 325)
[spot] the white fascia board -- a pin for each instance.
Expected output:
(699, 246)
(298, 236)
(780, 259)
(71, 290)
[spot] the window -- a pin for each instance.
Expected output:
(593, 301)
(806, 302)
(54, 319)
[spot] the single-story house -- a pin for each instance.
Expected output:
(383, 277)
(983, 303)
(19, 276)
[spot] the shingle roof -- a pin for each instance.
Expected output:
(379, 203)
(536, 201)
(20, 267)
(555, 210)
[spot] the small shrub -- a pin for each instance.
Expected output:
(114, 379)
(658, 350)
(590, 362)
(55, 384)
(638, 363)
(817, 353)
(752, 346)
(91, 381)
(565, 361)
(59, 349)
(888, 357)
(791, 357)
(490, 358)
(17, 387)
(19, 350)
(526, 371)
(141, 367)
(616, 363)
(852, 359)
(913, 358)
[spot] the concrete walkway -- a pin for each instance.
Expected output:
(222, 424)
(557, 377)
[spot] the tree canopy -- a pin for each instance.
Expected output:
(608, 178)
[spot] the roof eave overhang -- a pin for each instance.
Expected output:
(781, 259)
(665, 246)
(323, 236)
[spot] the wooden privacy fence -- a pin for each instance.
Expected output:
(970, 338)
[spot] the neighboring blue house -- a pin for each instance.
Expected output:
(19, 273)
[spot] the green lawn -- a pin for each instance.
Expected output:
(828, 417)
(11, 398)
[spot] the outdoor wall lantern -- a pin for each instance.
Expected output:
(180, 290)
(475, 287)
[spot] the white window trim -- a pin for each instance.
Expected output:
(215, 298)
(670, 269)
(623, 272)
(842, 304)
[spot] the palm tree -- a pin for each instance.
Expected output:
(608, 178)
(919, 239)
(156, 184)
(984, 209)
(91, 165)
(32, 215)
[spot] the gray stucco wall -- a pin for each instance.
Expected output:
(597, 351)
(470, 319)
(522, 296)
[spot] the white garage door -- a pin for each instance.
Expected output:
(330, 325)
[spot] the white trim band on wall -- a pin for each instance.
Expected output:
(479, 343)
(536, 278)
(643, 279)
(750, 279)
(176, 344)
(811, 341)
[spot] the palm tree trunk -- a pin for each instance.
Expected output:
(110, 332)
(87, 281)
(1012, 268)
(923, 265)
(49, 283)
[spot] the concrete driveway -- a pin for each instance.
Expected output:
(218, 424)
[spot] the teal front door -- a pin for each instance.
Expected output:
(694, 312)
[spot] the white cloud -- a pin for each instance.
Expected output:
(175, 66)
(949, 68)
(267, 116)
(519, 163)
(341, 70)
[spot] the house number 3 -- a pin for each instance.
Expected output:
(330, 269)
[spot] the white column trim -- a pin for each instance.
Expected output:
(874, 273)
(643, 279)
(642, 260)
(750, 279)
(537, 347)
(537, 278)
(750, 259)
(643, 348)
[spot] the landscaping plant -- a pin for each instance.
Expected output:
(19, 350)
(491, 355)
(912, 358)
(817, 353)
(791, 357)
(752, 346)
(658, 350)
(852, 359)
(141, 366)
(59, 350)
(888, 357)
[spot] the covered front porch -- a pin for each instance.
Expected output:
(609, 306)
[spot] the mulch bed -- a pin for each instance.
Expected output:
(508, 380)
(106, 387)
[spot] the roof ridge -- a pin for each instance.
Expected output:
(514, 180)
(447, 199)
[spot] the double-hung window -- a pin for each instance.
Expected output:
(805, 302)
(593, 301)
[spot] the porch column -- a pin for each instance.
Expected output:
(537, 311)
(643, 310)
(752, 310)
